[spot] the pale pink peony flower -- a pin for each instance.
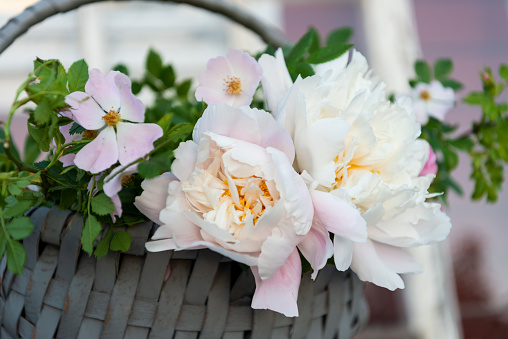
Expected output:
(234, 191)
(430, 166)
(109, 107)
(113, 185)
(230, 80)
(432, 100)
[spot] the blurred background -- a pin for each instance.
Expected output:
(464, 291)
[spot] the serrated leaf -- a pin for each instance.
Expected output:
(16, 257)
(102, 248)
(154, 63)
(102, 204)
(476, 98)
(451, 159)
(316, 40)
(442, 68)
(90, 232)
(340, 36)
(77, 76)
(42, 113)
(76, 129)
(16, 207)
(121, 241)
(303, 69)
(3, 244)
(328, 53)
(40, 136)
(14, 189)
(155, 166)
(300, 48)
(20, 227)
(422, 70)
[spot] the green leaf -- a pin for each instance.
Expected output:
(76, 129)
(20, 227)
(442, 68)
(16, 207)
(476, 98)
(102, 248)
(503, 72)
(183, 88)
(340, 36)
(67, 199)
(90, 232)
(16, 257)
(102, 204)
(77, 76)
(455, 85)
(463, 143)
(300, 48)
(32, 150)
(168, 76)
(156, 165)
(42, 113)
(316, 40)
(121, 68)
(136, 87)
(422, 70)
(328, 53)
(451, 159)
(3, 243)
(14, 189)
(303, 69)
(154, 63)
(121, 241)
(41, 137)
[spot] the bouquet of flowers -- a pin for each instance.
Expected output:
(317, 165)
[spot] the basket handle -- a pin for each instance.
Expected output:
(44, 9)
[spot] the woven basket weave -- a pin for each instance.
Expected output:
(64, 293)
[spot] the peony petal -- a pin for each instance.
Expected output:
(276, 80)
(338, 217)
(103, 89)
(85, 110)
(275, 251)
(280, 292)
(316, 248)
(368, 265)
(185, 160)
(160, 245)
(155, 193)
(342, 252)
(100, 153)
(397, 259)
(135, 140)
(132, 109)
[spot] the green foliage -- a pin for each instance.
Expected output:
(91, 230)
(121, 241)
(308, 51)
(441, 71)
(102, 204)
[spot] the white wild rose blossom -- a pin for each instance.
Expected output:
(361, 159)
(233, 189)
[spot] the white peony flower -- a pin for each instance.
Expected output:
(361, 159)
(234, 191)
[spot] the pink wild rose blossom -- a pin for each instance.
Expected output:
(230, 80)
(108, 107)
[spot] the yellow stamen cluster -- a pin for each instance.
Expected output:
(425, 95)
(233, 85)
(127, 179)
(111, 118)
(90, 134)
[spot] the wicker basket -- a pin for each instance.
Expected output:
(64, 293)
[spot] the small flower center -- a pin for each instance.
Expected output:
(111, 118)
(126, 179)
(90, 134)
(233, 85)
(425, 95)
